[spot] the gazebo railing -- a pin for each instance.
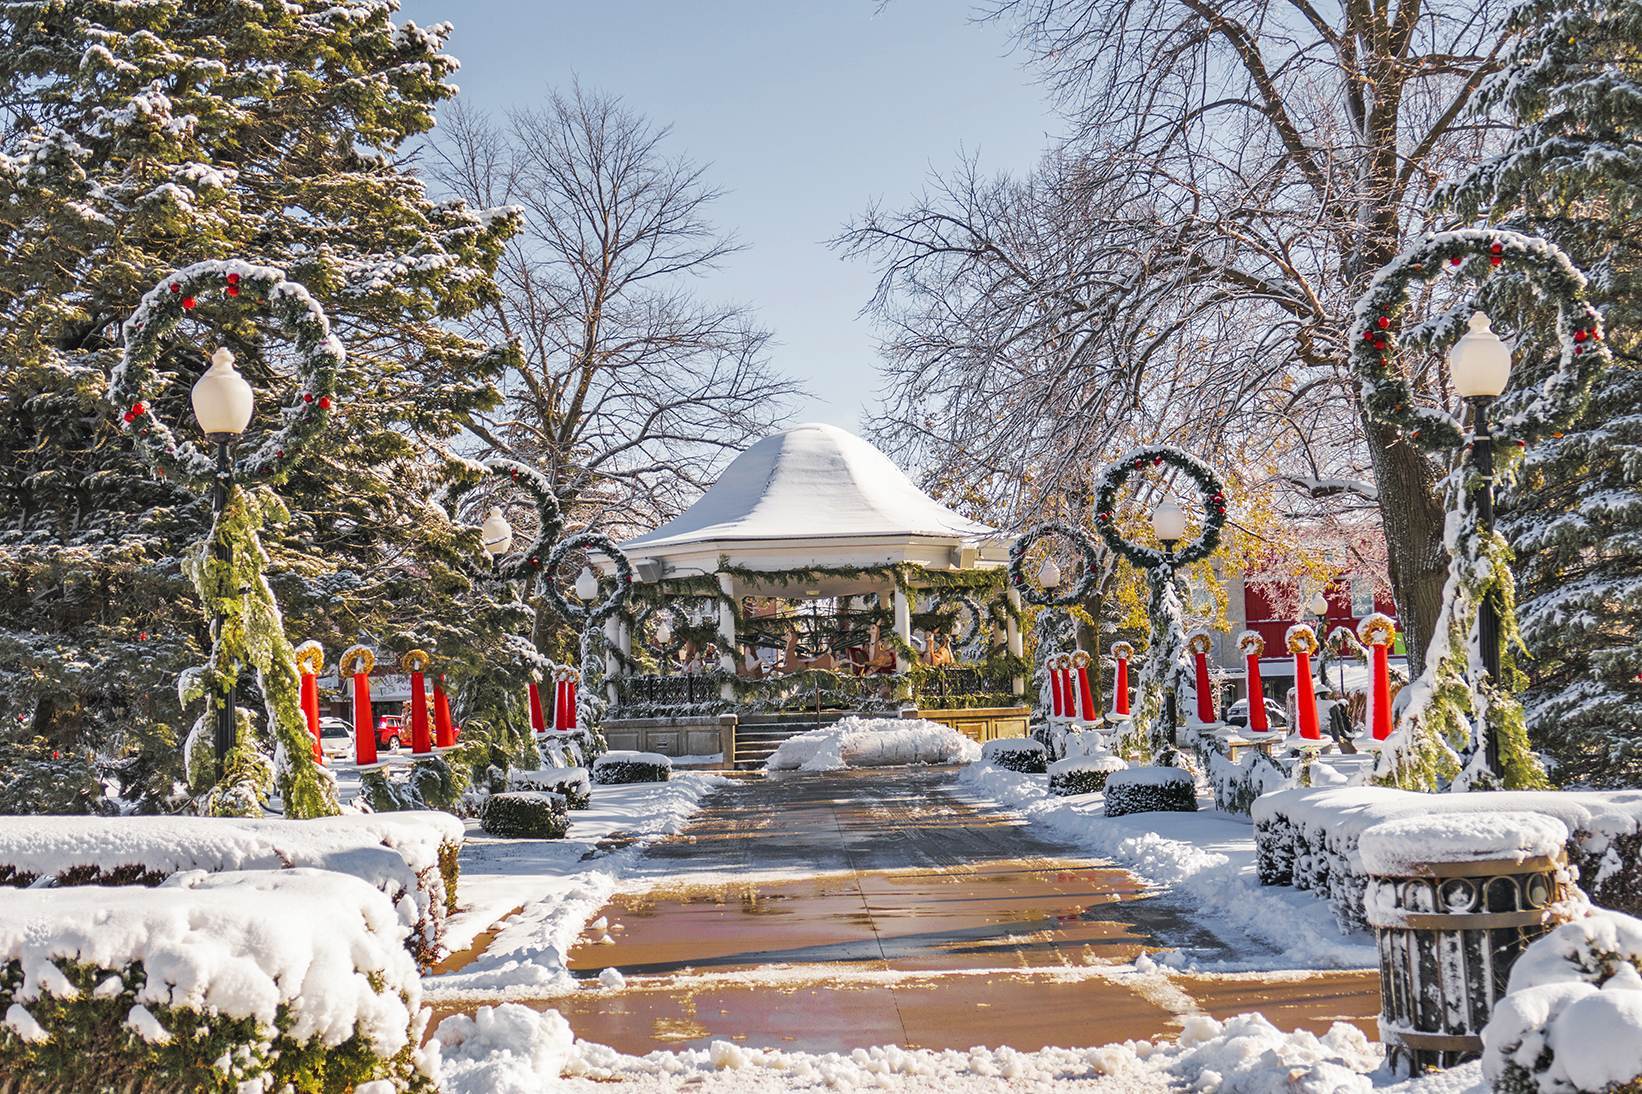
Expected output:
(943, 688)
(955, 687)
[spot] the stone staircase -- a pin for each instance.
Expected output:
(757, 736)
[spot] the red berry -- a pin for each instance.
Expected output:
(143, 636)
(129, 417)
(1495, 260)
(232, 290)
(307, 396)
(188, 303)
(324, 402)
(1498, 248)
(176, 287)
(233, 279)
(1157, 461)
(1455, 261)
(1578, 350)
(1579, 336)
(279, 453)
(1368, 336)
(1383, 322)
(139, 408)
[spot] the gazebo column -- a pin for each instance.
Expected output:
(1012, 631)
(903, 628)
(726, 634)
(618, 636)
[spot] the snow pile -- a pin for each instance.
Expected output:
(1206, 860)
(1572, 1016)
(399, 853)
(507, 1049)
(873, 742)
(321, 953)
(1309, 838)
(1395, 848)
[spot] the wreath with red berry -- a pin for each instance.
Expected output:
(1379, 333)
(529, 561)
(621, 585)
(232, 292)
(1211, 491)
(1036, 594)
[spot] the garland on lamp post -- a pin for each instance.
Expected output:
(1165, 668)
(1053, 630)
(228, 569)
(590, 702)
(1457, 705)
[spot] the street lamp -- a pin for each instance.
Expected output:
(587, 586)
(1480, 365)
(223, 402)
(1319, 607)
(1049, 574)
(497, 535)
(1169, 524)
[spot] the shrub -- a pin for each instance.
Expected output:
(526, 814)
(1020, 754)
(616, 768)
(1150, 790)
(572, 783)
(1083, 774)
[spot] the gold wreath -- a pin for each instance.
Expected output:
(356, 660)
(1250, 644)
(1122, 650)
(415, 661)
(1377, 629)
(1301, 639)
(310, 659)
(1081, 659)
(1200, 642)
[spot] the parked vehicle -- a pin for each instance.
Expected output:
(336, 738)
(1238, 714)
(390, 729)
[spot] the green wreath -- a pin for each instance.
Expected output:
(1211, 491)
(1481, 252)
(1035, 594)
(238, 286)
(621, 587)
(527, 562)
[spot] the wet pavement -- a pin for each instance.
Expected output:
(830, 911)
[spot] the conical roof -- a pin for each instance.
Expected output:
(807, 482)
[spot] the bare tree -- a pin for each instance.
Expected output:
(1236, 171)
(633, 390)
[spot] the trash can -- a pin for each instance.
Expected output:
(1454, 899)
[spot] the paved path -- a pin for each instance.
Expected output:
(832, 911)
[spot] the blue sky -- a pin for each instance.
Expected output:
(805, 112)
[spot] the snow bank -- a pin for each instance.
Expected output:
(507, 1049)
(318, 953)
(1204, 859)
(1310, 838)
(873, 742)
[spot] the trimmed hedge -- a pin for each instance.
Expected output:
(1021, 754)
(1083, 774)
(1150, 790)
(572, 783)
(526, 814)
(619, 768)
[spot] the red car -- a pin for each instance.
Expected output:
(389, 729)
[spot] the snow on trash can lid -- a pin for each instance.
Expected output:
(1399, 847)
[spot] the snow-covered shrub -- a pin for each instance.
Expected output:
(504, 1048)
(1237, 784)
(571, 783)
(1083, 774)
(873, 742)
(526, 814)
(294, 979)
(1571, 1019)
(1021, 754)
(411, 857)
(1150, 790)
(619, 767)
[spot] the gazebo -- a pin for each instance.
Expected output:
(815, 514)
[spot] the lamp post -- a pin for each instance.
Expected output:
(1049, 574)
(1480, 365)
(1169, 525)
(223, 402)
(497, 535)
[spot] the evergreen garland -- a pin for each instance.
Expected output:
(1210, 489)
(1036, 594)
(526, 563)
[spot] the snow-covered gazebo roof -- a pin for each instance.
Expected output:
(814, 495)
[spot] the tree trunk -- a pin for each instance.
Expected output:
(1412, 511)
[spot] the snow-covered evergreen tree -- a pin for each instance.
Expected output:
(136, 138)
(1572, 171)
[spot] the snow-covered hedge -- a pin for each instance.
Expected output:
(1237, 784)
(526, 814)
(873, 742)
(619, 767)
(1309, 838)
(571, 783)
(1150, 790)
(257, 980)
(1083, 774)
(1571, 1020)
(411, 856)
(1022, 754)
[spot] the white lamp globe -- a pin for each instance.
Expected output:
(222, 399)
(587, 586)
(496, 532)
(1480, 362)
(664, 631)
(1319, 604)
(1049, 574)
(1169, 521)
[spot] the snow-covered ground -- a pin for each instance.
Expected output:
(557, 885)
(1205, 859)
(874, 742)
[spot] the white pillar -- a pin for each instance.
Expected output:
(726, 633)
(613, 629)
(903, 628)
(1012, 640)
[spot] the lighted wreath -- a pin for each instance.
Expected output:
(415, 661)
(288, 310)
(620, 587)
(1250, 644)
(355, 660)
(1481, 252)
(966, 606)
(1200, 642)
(1035, 593)
(310, 658)
(1300, 638)
(1211, 491)
(529, 561)
(1123, 651)
(1342, 642)
(1081, 659)
(1377, 630)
